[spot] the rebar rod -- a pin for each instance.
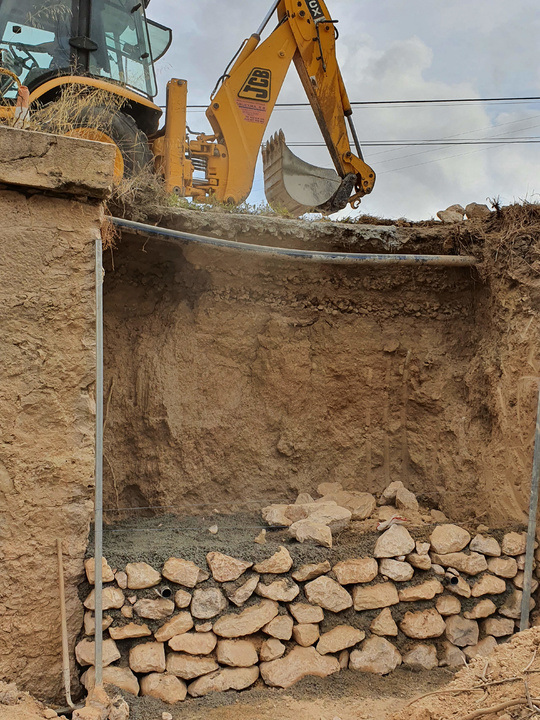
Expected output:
(66, 671)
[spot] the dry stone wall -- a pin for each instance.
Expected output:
(186, 629)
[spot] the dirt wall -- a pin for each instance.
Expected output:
(47, 392)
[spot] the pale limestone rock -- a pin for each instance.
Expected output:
(271, 649)
(326, 488)
(452, 656)
(203, 627)
(376, 656)
(406, 500)
(421, 657)
(261, 538)
(485, 545)
(121, 579)
(281, 627)
(179, 624)
(471, 564)
(356, 570)
(140, 575)
(448, 605)
(225, 568)
(189, 667)
(120, 677)
(421, 562)
(165, 687)
(90, 623)
(461, 632)
(213, 529)
(237, 653)
(395, 570)
(449, 539)
(389, 494)
(520, 579)
(375, 596)
(311, 532)
(283, 590)
(328, 594)
(133, 630)
(249, 621)
(425, 591)
(334, 516)
(482, 649)
(488, 585)
(339, 638)
(157, 609)
(132, 599)
(343, 659)
(280, 562)
(147, 657)
(278, 515)
(90, 568)
(304, 499)
(208, 603)
(127, 611)
(498, 627)
(512, 606)
(311, 571)
(483, 609)
(384, 624)
(423, 624)
(453, 214)
(422, 548)
(361, 505)
(386, 512)
(461, 588)
(223, 680)
(112, 597)
(299, 663)
(476, 211)
(181, 572)
(182, 599)
(306, 634)
(194, 643)
(514, 543)
(394, 541)
(166, 716)
(438, 516)
(239, 596)
(505, 567)
(437, 569)
(85, 652)
(304, 613)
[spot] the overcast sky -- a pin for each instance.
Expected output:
(396, 50)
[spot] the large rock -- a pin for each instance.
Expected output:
(106, 572)
(488, 585)
(311, 532)
(90, 623)
(451, 656)
(361, 505)
(179, 624)
(147, 657)
(339, 638)
(505, 567)
(283, 590)
(141, 575)
(335, 517)
(306, 634)
(132, 630)
(120, 677)
(157, 609)
(461, 632)
(423, 624)
(182, 599)
(271, 649)
(470, 564)
(223, 680)
(482, 649)
(299, 663)
(512, 606)
(375, 596)
(167, 688)
(376, 656)
(280, 562)
(483, 609)
(396, 570)
(520, 579)
(406, 500)
(485, 545)
(328, 594)
(237, 653)
(239, 596)
(476, 211)
(194, 643)
(384, 624)
(394, 542)
(461, 587)
(208, 603)
(424, 591)
(356, 570)
(421, 562)
(498, 627)
(181, 572)
(449, 539)
(453, 214)
(304, 613)
(280, 627)
(249, 621)
(189, 667)
(421, 657)
(112, 597)
(311, 571)
(388, 495)
(225, 568)
(448, 605)
(85, 652)
(514, 543)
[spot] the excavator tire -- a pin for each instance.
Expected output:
(100, 123)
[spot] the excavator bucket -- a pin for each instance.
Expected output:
(299, 187)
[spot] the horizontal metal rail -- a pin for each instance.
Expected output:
(318, 256)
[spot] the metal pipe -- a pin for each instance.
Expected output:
(531, 531)
(318, 256)
(98, 509)
(63, 621)
(268, 17)
(355, 136)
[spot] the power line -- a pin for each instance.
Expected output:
(432, 143)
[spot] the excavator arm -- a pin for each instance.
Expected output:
(242, 106)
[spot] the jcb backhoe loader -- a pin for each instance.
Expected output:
(112, 45)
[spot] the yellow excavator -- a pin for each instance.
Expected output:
(112, 46)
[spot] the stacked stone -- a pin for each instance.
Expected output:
(422, 604)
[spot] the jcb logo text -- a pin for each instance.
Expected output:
(258, 85)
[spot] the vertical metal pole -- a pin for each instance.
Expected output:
(531, 532)
(98, 516)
